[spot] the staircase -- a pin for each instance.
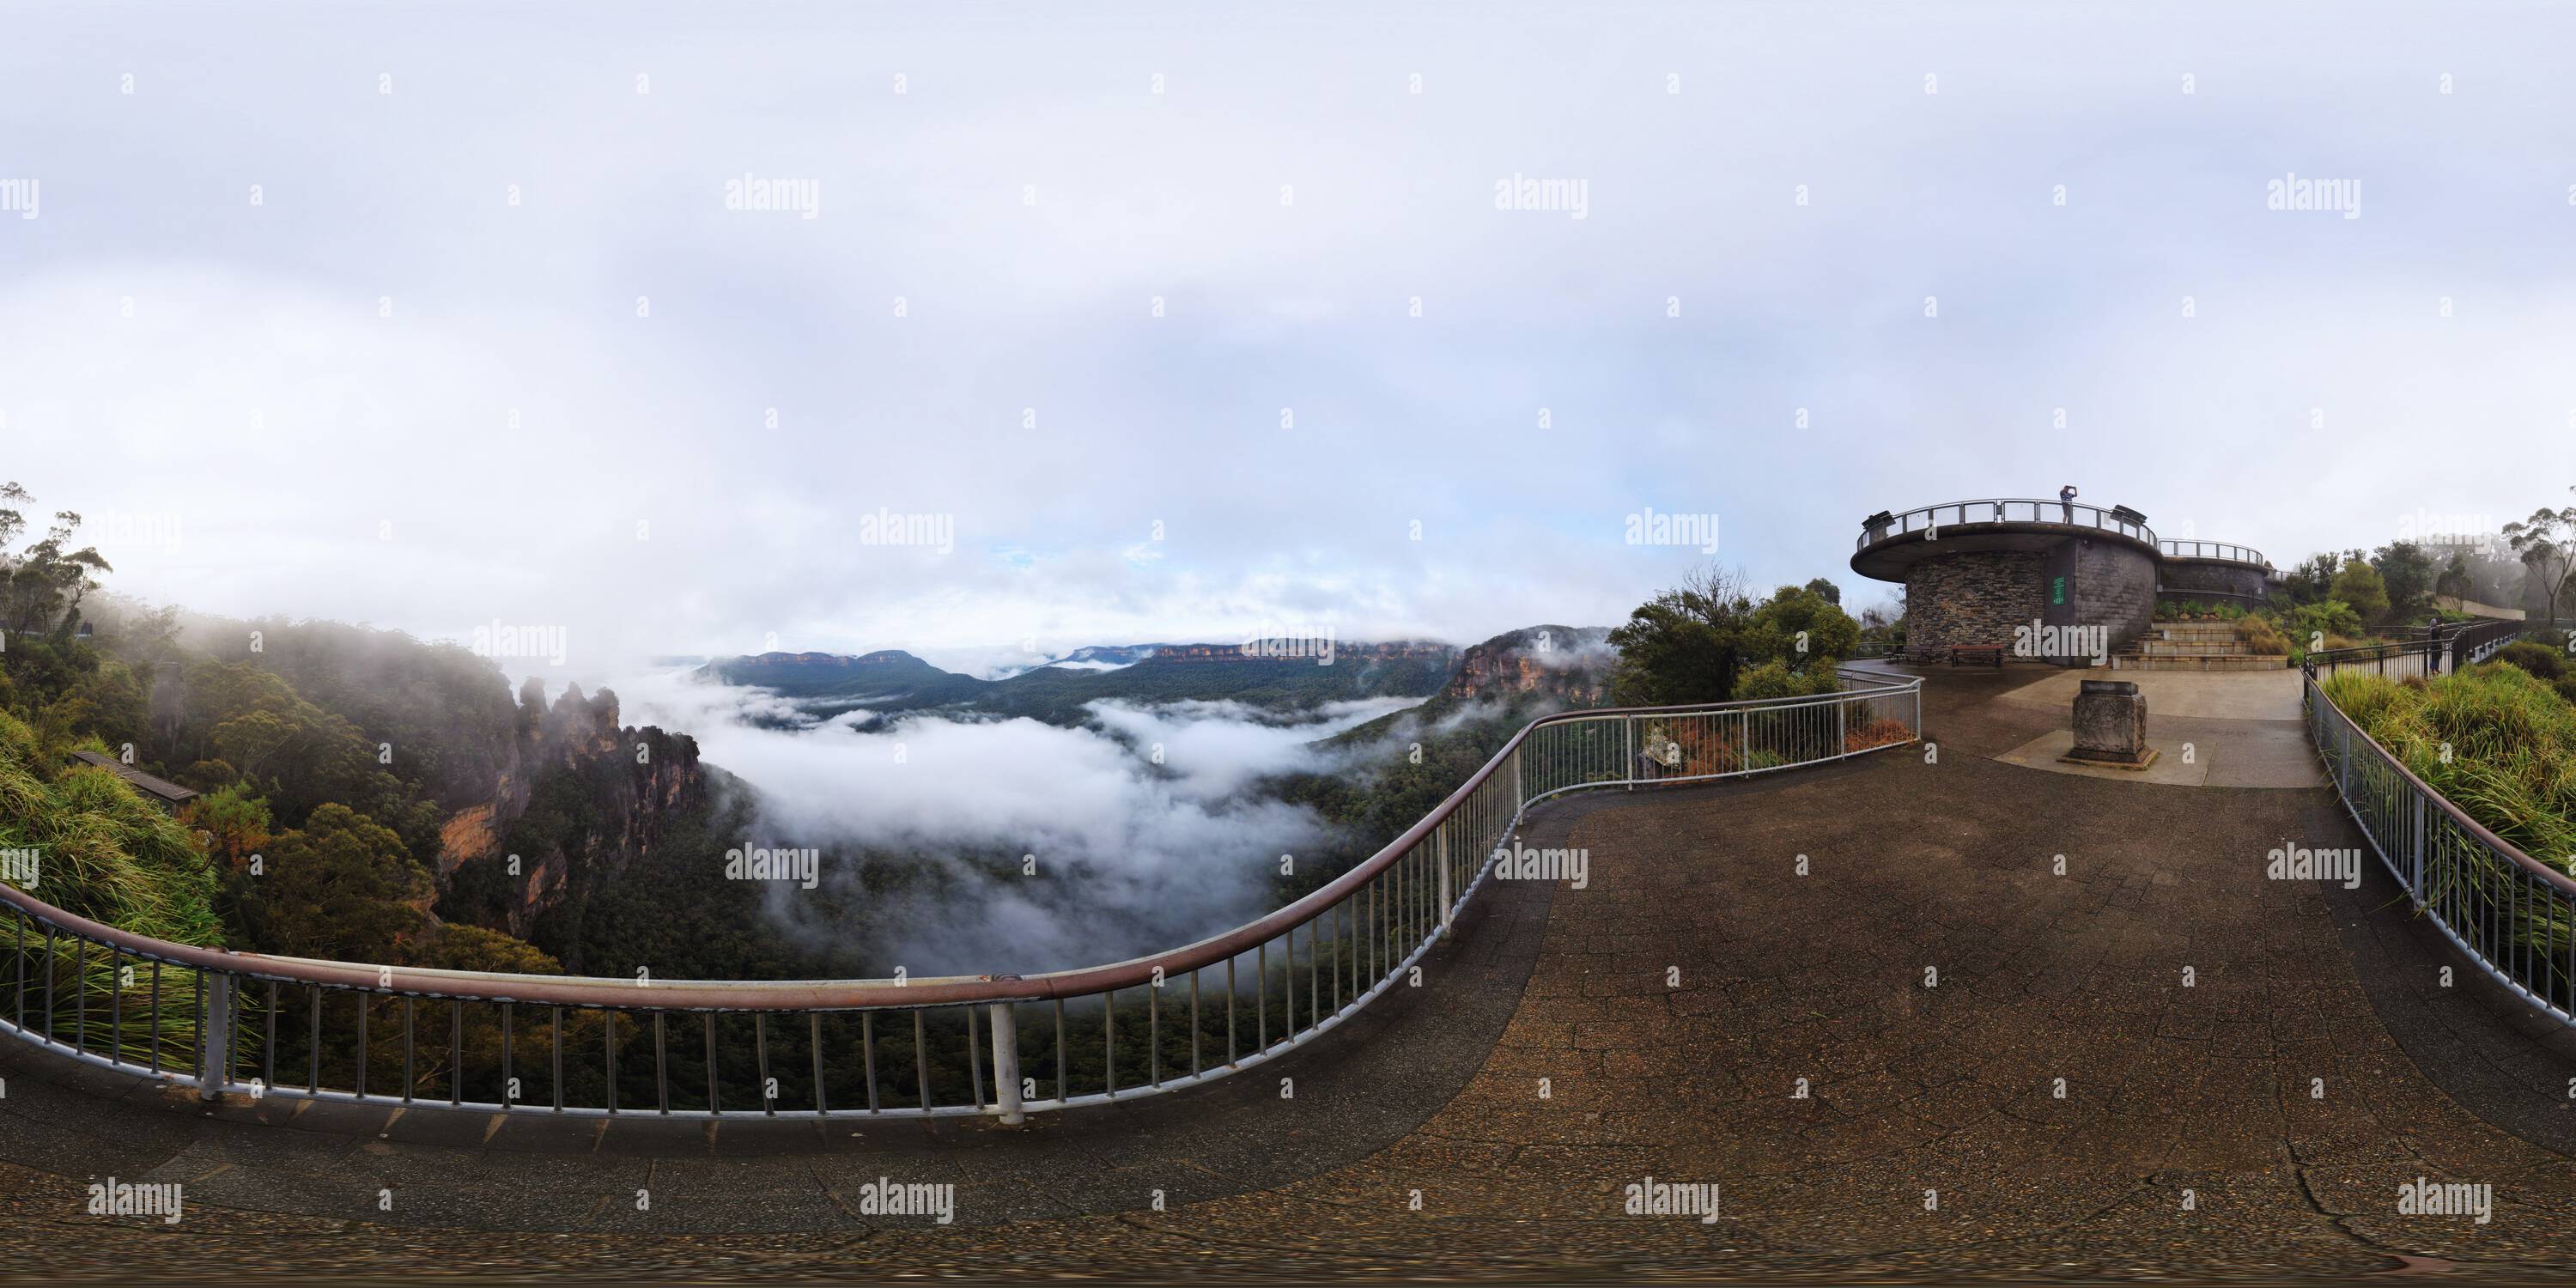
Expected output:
(2193, 646)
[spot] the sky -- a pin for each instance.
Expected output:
(983, 329)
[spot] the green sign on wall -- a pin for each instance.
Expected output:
(2057, 590)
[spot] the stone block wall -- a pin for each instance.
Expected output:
(2236, 582)
(1975, 598)
(2114, 586)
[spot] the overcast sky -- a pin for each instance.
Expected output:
(490, 344)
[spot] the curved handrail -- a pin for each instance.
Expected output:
(2432, 847)
(2222, 550)
(2001, 510)
(1385, 912)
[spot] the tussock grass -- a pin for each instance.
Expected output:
(2261, 636)
(2511, 741)
(105, 853)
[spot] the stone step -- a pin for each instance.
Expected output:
(2244, 662)
(2197, 630)
(2182, 648)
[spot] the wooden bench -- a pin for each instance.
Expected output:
(1977, 655)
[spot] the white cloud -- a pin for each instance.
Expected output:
(1172, 851)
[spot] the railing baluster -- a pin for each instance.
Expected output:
(814, 1041)
(760, 1052)
(868, 1053)
(407, 1074)
(921, 1060)
(555, 1024)
(456, 1052)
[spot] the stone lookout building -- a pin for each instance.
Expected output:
(1976, 571)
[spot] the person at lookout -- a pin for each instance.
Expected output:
(2066, 499)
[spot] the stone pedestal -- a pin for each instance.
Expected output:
(2111, 725)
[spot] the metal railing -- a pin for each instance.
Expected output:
(2211, 550)
(2510, 913)
(2481, 640)
(1961, 513)
(2398, 660)
(997, 1045)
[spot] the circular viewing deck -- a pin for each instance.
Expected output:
(1890, 544)
(2211, 552)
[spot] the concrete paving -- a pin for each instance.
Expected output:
(1923, 1014)
(2212, 695)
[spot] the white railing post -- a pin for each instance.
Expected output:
(1006, 1065)
(1447, 911)
(1628, 739)
(214, 1059)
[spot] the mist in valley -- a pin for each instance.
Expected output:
(1146, 825)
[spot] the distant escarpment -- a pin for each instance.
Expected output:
(1569, 665)
(1274, 675)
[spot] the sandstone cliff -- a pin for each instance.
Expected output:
(574, 797)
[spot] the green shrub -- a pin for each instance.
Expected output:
(2331, 617)
(1774, 679)
(2538, 659)
(2566, 687)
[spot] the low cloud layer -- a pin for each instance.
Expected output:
(1169, 852)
